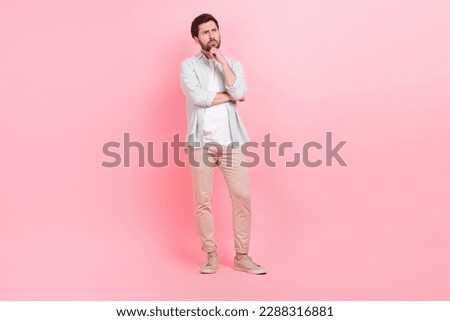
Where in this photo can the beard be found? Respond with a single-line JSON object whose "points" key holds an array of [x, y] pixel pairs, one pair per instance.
{"points": [[210, 44]]}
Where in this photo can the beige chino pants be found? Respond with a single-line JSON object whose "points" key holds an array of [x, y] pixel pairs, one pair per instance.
{"points": [[203, 161]]}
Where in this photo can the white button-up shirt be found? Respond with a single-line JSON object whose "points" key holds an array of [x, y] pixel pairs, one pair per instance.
{"points": [[195, 80]]}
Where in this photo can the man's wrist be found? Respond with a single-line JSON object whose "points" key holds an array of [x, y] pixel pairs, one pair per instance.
{"points": [[228, 96]]}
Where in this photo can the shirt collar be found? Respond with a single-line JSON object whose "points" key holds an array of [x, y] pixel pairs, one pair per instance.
{"points": [[201, 56]]}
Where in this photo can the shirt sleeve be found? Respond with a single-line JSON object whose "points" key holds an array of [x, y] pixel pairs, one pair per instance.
{"points": [[192, 88], [239, 88]]}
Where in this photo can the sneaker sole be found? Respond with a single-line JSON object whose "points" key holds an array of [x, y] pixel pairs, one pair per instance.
{"points": [[207, 272], [255, 272]]}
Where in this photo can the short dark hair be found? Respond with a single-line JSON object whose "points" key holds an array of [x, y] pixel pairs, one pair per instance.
{"points": [[203, 18]]}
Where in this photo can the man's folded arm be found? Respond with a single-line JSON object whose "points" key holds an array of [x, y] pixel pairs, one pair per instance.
{"points": [[238, 89], [221, 98], [202, 97]]}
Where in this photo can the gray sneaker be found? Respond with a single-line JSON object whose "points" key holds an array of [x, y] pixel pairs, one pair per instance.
{"points": [[210, 265], [246, 264]]}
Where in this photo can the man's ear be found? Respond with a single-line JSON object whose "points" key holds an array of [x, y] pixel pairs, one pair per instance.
{"points": [[196, 40]]}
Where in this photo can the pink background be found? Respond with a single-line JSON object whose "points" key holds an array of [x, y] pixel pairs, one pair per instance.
{"points": [[76, 75]]}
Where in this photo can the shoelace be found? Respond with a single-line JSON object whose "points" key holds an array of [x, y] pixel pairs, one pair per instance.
{"points": [[209, 260]]}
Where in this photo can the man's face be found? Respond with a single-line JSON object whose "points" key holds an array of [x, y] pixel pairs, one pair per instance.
{"points": [[208, 35]]}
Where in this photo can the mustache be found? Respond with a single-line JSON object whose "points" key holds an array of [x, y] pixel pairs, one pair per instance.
{"points": [[209, 46]]}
